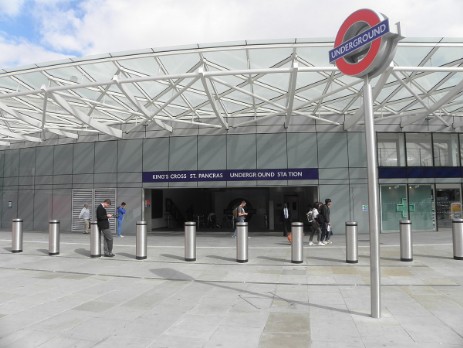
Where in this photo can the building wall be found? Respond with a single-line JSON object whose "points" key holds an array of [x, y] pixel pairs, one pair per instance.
{"points": [[39, 180]]}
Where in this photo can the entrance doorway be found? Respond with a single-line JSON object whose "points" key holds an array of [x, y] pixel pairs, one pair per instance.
{"points": [[211, 208], [293, 206], [448, 204]]}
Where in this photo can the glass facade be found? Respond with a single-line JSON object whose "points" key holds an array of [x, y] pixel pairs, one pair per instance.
{"points": [[421, 207], [445, 147], [419, 149], [391, 150], [448, 204], [412, 202], [427, 185], [393, 206]]}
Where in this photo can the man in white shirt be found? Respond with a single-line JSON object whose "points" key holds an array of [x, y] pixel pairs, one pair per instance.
{"points": [[85, 214], [286, 221]]}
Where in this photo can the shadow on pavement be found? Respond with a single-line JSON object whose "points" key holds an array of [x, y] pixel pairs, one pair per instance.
{"points": [[272, 259], [435, 256], [175, 257], [129, 256], [82, 251], [171, 274], [326, 259], [221, 258]]}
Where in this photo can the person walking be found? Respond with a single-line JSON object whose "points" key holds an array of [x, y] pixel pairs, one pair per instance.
{"points": [[324, 218], [85, 215], [102, 217], [314, 226], [121, 211], [239, 215], [286, 218]]}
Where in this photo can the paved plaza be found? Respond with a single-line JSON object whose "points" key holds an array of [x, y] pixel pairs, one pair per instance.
{"points": [[73, 300]]}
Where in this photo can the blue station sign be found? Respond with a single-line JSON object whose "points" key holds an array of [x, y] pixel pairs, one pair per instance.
{"points": [[231, 175]]}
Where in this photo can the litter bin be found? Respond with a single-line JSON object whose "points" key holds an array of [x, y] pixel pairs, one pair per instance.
{"points": [[351, 242], [297, 234], [141, 248], [17, 236], [190, 241], [95, 240], [457, 236], [406, 245], [53, 237], [242, 242]]}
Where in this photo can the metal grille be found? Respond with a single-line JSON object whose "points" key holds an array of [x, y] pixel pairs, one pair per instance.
{"points": [[79, 198], [93, 198]]}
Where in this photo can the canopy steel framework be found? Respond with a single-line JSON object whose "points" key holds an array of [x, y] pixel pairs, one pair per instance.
{"points": [[224, 86]]}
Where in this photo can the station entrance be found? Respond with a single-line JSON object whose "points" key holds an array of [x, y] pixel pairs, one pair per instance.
{"points": [[211, 208]]}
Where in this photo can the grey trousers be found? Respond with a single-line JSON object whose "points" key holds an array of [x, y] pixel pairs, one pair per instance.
{"points": [[108, 241]]}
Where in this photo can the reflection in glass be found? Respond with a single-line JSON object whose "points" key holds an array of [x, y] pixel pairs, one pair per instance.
{"points": [[445, 150], [393, 206], [391, 149], [419, 153], [421, 207], [448, 204]]}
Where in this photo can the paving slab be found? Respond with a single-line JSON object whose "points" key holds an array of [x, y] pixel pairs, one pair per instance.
{"points": [[73, 300]]}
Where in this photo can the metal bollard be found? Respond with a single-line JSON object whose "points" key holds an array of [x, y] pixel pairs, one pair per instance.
{"points": [[457, 236], [141, 248], [95, 240], [17, 236], [297, 234], [53, 237], [406, 244], [241, 242], [351, 242], [190, 241]]}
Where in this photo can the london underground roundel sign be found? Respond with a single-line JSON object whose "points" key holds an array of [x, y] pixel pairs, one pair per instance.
{"points": [[365, 44]]}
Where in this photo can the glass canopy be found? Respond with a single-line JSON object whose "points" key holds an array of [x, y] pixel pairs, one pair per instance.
{"points": [[224, 86]]}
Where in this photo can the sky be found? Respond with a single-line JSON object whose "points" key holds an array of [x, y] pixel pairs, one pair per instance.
{"points": [[34, 31]]}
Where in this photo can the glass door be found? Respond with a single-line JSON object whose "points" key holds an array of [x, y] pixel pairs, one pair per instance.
{"points": [[393, 206], [421, 207], [448, 204]]}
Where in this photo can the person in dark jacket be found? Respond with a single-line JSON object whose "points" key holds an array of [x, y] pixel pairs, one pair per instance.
{"points": [[286, 219], [102, 217], [324, 219], [314, 226]]}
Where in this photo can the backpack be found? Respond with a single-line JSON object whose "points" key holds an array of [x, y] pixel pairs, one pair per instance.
{"points": [[235, 212], [310, 216]]}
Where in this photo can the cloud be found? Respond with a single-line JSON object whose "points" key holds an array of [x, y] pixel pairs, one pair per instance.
{"points": [[20, 53], [86, 27], [114, 25], [11, 7], [157, 24]]}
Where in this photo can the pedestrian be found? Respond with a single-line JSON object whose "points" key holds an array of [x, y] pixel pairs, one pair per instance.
{"points": [[239, 215], [102, 217], [286, 218], [314, 226], [324, 218], [85, 215], [121, 211]]}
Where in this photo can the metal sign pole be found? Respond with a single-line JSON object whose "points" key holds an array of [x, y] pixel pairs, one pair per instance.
{"points": [[373, 199]]}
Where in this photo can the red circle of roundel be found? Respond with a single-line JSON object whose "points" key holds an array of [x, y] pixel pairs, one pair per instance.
{"points": [[371, 18]]}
